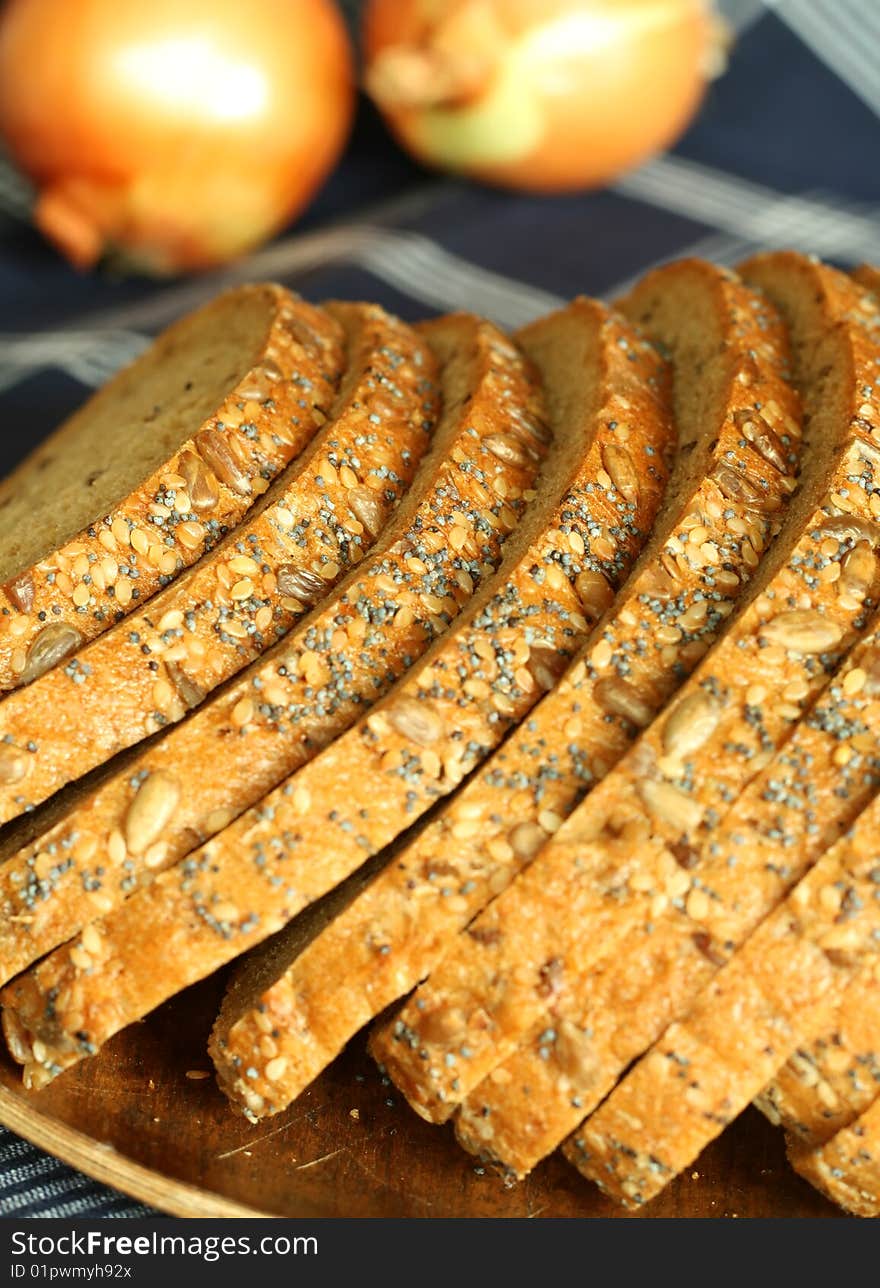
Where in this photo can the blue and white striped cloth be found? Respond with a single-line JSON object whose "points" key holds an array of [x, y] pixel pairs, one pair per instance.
{"points": [[785, 153]]}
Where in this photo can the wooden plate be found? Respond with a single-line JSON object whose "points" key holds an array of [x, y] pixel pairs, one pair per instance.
{"points": [[349, 1147]]}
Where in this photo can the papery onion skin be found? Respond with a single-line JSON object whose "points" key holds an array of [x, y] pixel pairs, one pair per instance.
{"points": [[177, 133], [553, 95]]}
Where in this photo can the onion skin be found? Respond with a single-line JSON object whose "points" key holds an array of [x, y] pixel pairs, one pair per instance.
{"points": [[540, 95], [176, 133]]}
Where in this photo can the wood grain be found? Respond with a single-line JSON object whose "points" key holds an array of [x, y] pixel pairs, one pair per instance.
{"points": [[349, 1147]]}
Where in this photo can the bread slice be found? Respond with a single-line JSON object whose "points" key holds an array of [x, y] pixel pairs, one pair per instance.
{"points": [[334, 969], [156, 467], [826, 1086], [776, 992], [623, 855], [802, 802], [847, 1167], [868, 275], [414, 746], [88, 849], [315, 523]]}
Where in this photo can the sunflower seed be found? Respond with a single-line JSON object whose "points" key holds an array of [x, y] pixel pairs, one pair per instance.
{"points": [[766, 442], [299, 583], [546, 665], [736, 487], [658, 582], [14, 766], [415, 720], [526, 839], [152, 808], [216, 452], [594, 593], [858, 571], [201, 485], [21, 591], [619, 466], [366, 508], [53, 644], [621, 699], [524, 422], [690, 724], [803, 630], [255, 387], [846, 527], [305, 336], [513, 451], [670, 805], [191, 694]]}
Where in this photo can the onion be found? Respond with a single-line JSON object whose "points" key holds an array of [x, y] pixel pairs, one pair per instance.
{"points": [[179, 133], [545, 95]]}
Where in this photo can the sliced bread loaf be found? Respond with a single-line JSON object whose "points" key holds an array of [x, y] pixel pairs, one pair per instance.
{"points": [[778, 991], [95, 844], [156, 467], [413, 747], [847, 1167], [335, 969], [629, 843], [825, 1086], [312, 526], [734, 873]]}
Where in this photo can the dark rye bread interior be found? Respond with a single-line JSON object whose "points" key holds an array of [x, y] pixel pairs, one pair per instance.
{"points": [[678, 313], [130, 427]]}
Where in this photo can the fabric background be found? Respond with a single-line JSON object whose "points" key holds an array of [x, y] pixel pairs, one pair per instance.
{"points": [[784, 153]]}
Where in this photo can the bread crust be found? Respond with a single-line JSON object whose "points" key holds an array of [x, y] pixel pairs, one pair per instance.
{"points": [[846, 1168], [778, 991], [828, 1084], [317, 522], [78, 592], [288, 704], [308, 834], [801, 803], [570, 731], [603, 872]]}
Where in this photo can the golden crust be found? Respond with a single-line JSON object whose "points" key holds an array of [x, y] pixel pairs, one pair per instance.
{"points": [[777, 992], [100, 843], [148, 671], [309, 833], [603, 873], [81, 590], [391, 934], [846, 1168]]}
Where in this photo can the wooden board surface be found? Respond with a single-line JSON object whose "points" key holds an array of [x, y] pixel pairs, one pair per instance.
{"points": [[349, 1147]]}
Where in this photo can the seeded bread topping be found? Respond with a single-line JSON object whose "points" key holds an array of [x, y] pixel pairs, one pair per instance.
{"points": [[776, 992], [199, 426], [419, 742], [847, 1167], [801, 803], [827, 1084], [599, 877], [95, 845], [331, 972], [210, 622]]}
